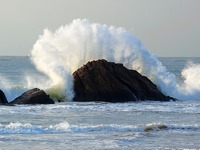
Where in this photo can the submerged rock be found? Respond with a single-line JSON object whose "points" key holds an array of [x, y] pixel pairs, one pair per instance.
{"points": [[33, 96], [151, 127], [110, 82], [3, 99]]}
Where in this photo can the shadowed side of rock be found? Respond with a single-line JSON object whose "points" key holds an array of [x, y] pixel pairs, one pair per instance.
{"points": [[107, 81], [33, 96], [3, 99]]}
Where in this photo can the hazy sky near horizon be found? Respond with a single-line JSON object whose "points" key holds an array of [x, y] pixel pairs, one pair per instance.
{"points": [[165, 27]]}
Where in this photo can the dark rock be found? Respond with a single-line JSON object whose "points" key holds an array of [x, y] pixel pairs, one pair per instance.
{"points": [[33, 96], [152, 127], [110, 82], [3, 99]]}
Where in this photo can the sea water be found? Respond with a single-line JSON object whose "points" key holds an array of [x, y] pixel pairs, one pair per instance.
{"points": [[91, 125]]}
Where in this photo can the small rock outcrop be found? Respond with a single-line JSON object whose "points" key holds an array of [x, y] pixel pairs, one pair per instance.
{"points": [[3, 99], [33, 96], [110, 82]]}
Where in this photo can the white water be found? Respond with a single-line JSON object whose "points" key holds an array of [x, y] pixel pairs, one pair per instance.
{"points": [[93, 125], [101, 126], [58, 54]]}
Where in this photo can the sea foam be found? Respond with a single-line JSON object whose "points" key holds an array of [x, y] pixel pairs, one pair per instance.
{"points": [[58, 54], [27, 128]]}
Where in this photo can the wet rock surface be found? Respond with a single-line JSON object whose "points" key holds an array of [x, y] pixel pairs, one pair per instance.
{"points": [[33, 96], [3, 99], [111, 82]]}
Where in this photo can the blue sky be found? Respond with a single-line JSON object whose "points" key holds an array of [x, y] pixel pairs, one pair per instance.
{"points": [[165, 27]]}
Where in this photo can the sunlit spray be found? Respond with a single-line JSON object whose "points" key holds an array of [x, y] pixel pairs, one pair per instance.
{"points": [[58, 54]]}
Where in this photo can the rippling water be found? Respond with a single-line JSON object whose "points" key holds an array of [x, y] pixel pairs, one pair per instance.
{"points": [[101, 126], [90, 125]]}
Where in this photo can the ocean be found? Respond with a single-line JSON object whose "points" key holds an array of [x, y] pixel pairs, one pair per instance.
{"points": [[91, 125], [97, 125]]}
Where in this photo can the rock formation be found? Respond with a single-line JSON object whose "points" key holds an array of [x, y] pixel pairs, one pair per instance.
{"points": [[100, 81], [3, 99], [110, 82], [33, 96]]}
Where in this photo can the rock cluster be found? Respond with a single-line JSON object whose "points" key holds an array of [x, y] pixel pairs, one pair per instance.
{"points": [[100, 81]]}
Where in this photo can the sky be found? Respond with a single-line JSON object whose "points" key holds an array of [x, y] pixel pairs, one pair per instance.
{"points": [[165, 27]]}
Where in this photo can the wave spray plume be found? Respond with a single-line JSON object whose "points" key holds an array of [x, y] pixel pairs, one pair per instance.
{"points": [[58, 54]]}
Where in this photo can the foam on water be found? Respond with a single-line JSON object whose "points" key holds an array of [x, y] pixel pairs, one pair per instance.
{"points": [[105, 128], [27, 128]]}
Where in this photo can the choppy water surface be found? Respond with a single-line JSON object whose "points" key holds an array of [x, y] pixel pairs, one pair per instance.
{"points": [[72, 125], [101, 126]]}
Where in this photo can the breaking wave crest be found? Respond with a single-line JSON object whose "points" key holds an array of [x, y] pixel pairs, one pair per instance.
{"points": [[63, 127], [27, 128], [58, 54]]}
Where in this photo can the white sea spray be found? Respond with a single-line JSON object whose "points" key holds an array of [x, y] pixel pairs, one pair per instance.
{"points": [[58, 54]]}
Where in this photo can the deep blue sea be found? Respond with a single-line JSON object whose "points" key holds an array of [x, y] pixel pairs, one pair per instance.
{"points": [[89, 125]]}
